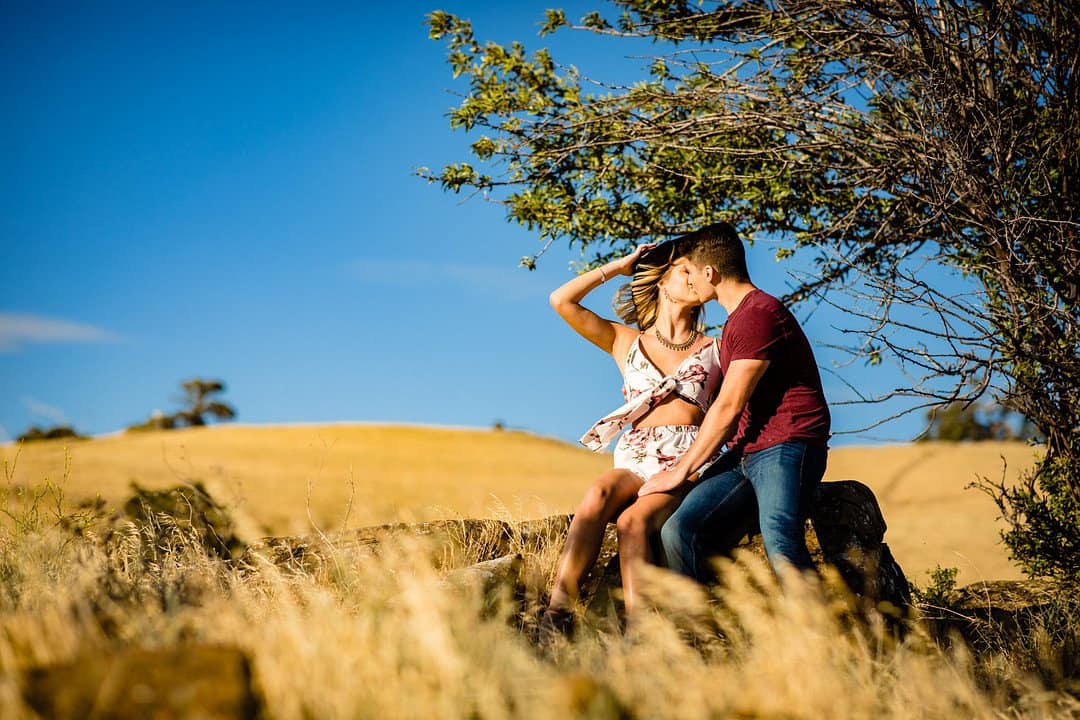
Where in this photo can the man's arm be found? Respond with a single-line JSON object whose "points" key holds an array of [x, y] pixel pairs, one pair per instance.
{"points": [[719, 425]]}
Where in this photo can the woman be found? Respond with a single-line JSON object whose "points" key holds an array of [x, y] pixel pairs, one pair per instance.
{"points": [[671, 372]]}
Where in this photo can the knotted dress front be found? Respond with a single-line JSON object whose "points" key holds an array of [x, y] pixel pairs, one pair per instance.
{"points": [[649, 449]]}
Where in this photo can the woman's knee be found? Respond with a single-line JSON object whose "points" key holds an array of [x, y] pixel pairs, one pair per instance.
{"points": [[631, 523], [605, 491]]}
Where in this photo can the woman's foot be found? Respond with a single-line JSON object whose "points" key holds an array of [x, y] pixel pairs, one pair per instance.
{"points": [[556, 622]]}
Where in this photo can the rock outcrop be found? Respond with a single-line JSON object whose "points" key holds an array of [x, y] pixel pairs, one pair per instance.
{"points": [[850, 532], [846, 531], [992, 614], [185, 513]]}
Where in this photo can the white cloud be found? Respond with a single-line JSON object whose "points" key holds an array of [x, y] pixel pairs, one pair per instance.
{"points": [[505, 283], [44, 410], [5, 436], [18, 329]]}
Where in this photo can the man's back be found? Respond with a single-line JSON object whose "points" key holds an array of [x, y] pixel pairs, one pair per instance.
{"points": [[788, 402]]}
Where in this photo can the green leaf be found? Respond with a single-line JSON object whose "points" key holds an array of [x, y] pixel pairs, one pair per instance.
{"points": [[553, 20]]}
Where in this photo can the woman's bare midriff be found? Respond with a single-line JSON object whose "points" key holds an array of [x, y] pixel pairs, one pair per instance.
{"points": [[672, 411]]}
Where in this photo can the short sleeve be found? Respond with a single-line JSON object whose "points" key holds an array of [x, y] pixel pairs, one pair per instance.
{"points": [[759, 335]]}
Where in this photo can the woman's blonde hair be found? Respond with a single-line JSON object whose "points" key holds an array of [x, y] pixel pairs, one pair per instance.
{"points": [[637, 302]]}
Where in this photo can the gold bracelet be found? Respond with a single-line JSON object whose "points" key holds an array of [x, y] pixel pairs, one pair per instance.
{"points": [[603, 275]]}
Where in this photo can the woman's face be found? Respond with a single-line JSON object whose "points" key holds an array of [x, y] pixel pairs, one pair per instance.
{"points": [[678, 281]]}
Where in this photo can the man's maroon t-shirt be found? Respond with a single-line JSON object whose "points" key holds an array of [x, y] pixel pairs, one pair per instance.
{"points": [[788, 402]]}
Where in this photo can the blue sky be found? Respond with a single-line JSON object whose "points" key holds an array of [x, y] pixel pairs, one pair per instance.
{"points": [[227, 190]]}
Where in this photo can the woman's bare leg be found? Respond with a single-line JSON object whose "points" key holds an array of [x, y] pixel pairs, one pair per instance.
{"points": [[636, 524], [611, 492]]}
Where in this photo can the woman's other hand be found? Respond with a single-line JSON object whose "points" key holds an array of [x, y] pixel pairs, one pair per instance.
{"points": [[625, 265], [566, 300]]}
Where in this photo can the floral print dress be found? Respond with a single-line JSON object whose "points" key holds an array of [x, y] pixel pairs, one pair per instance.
{"points": [[648, 450]]}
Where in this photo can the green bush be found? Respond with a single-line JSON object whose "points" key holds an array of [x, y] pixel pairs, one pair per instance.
{"points": [[1043, 517]]}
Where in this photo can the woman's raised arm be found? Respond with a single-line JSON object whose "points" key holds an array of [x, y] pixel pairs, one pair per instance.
{"points": [[566, 300]]}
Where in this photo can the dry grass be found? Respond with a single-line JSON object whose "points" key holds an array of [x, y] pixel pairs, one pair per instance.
{"points": [[416, 473], [384, 636]]}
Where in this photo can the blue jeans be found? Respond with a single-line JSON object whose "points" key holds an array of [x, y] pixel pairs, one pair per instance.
{"points": [[720, 508]]}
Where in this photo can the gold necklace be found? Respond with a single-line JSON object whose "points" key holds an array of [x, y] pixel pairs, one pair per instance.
{"points": [[671, 345]]}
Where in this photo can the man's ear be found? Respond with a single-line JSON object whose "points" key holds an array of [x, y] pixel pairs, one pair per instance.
{"points": [[711, 274]]}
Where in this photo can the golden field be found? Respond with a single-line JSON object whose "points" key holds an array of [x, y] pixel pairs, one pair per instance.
{"points": [[401, 633], [283, 478]]}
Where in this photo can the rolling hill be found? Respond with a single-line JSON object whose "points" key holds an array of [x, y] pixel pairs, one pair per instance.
{"points": [[284, 477]]}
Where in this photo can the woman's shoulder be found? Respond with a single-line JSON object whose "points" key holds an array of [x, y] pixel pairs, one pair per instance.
{"points": [[625, 338], [625, 335], [713, 343]]}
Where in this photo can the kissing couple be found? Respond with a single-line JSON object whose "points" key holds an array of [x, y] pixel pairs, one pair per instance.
{"points": [[713, 430]]}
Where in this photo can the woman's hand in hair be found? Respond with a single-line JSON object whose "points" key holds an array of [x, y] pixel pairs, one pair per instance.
{"points": [[625, 265]]}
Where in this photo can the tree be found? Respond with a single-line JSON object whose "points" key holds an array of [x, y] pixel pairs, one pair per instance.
{"points": [[198, 404], [878, 138], [960, 421], [35, 433], [196, 397]]}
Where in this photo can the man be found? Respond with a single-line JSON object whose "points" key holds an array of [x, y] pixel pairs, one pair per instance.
{"points": [[770, 411]]}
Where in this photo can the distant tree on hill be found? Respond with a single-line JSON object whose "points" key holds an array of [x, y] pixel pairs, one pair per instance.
{"points": [[968, 421], [197, 398], [57, 431]]}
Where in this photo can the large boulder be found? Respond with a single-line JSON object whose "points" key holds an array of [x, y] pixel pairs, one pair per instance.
{"points": [[850, 532], [490, 579]]}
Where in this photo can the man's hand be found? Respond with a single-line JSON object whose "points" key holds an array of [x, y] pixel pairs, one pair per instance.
{"points": [[662, 482]]}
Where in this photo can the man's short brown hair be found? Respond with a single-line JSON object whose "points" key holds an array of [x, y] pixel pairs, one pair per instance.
{"points": [[717, 245]]}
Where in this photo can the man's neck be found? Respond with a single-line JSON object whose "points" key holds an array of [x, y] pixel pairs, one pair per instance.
{"points": [[729, 293]]}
